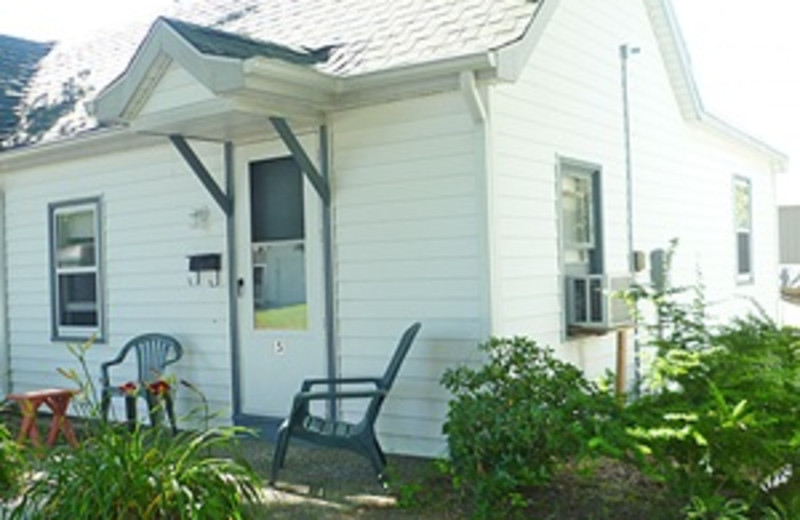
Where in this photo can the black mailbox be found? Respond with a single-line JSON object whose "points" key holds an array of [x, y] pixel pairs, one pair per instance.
{"points": [[207, 262], [210, 262]]}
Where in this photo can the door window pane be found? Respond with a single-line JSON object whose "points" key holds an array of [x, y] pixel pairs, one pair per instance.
{"points": [[276, 196], [279, 286], [278, 246]]}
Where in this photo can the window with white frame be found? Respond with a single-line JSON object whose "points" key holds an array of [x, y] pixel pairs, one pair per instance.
{"points": [[580, 218], [579, 192], [75, 269], [743, 222]]}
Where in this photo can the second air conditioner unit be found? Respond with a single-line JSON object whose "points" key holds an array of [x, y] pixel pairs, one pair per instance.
{"points": [[594, 302]]}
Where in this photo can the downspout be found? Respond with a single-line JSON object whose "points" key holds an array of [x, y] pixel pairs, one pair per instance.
{"points": [[5, 351], [479, 114], [469, 89]]}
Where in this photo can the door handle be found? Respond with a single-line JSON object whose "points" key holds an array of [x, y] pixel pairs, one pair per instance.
{"points": [[240, 287]]}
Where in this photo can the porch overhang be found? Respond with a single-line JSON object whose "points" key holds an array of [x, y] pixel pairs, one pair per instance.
{"points": [[245, 91]]}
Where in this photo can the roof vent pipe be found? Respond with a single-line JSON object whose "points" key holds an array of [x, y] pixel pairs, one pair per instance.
{"points": [[625, 52]]}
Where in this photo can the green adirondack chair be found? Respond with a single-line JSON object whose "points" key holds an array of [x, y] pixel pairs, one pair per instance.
{"points": [[358, 437]]}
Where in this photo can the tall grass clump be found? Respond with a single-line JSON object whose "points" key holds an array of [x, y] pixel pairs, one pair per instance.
{"points": [[143, 473]]}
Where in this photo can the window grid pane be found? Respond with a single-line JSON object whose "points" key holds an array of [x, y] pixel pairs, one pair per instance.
{"points": [[743, 224], [77, 300], [577, 211], [742, 205], [743, 252]]}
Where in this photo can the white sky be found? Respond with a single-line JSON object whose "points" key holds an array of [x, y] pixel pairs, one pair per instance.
{"points": [[46, 20], [745, 57], [745, 54]]}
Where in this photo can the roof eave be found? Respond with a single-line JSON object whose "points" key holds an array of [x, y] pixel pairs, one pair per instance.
{"points": [[414, 79], [80, 146], [327, 92], [514, 56], [779, 161]]}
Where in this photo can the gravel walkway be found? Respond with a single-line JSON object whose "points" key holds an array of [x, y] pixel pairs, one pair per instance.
{"points": [[331, 484]]}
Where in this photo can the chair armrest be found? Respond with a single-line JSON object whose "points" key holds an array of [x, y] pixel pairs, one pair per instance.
{"points": [[105, 379], [304, 398], [309, 383]]}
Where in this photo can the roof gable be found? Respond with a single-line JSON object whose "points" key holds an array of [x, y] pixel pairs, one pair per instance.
{"points": [[343, 39], [215, 58], [358, 37]]}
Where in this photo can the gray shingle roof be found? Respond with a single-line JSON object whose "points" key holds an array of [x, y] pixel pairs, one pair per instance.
{"points": [[18, 61], [215, 42], [362, 36]]}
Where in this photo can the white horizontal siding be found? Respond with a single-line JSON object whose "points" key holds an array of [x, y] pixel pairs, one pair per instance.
{"points": [[147, 196], [176, 88], [568, 103], [409, 247]]}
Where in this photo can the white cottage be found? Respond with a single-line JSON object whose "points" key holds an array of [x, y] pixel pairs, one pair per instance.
{"points": [[284, 186]]}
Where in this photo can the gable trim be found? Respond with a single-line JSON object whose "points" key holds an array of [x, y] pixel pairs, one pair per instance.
{"points": [[675, 55], [125, 96], [511, 60]]}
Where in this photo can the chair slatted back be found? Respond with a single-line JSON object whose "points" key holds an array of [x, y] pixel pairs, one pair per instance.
{"points": [[153, 353], [403, 346]]}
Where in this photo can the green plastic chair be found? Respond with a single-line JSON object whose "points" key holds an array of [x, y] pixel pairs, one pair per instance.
{"points": [[154, 352], [358, 437]]}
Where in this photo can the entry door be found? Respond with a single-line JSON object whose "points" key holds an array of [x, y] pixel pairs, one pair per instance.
{"points": [[281, 286]]}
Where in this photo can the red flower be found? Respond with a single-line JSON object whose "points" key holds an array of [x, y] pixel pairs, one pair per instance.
{"points": [[159, 387], [129, 388]]}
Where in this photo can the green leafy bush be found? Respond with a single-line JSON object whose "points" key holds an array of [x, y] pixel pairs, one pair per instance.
{"points": [[514, 419], [720, 421], [728, 421]]}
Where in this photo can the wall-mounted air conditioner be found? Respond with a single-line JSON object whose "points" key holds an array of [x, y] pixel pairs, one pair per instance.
{"points": [[594, 303]]}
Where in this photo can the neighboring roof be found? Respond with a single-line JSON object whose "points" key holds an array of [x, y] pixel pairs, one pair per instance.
{"points": [[18, 60], [362, 36]]}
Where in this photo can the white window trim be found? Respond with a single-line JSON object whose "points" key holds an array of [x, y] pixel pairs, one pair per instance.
{"points": [[66, 332]]}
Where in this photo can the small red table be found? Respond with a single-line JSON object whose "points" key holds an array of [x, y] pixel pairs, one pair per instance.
{"points": [[57, 399]]}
